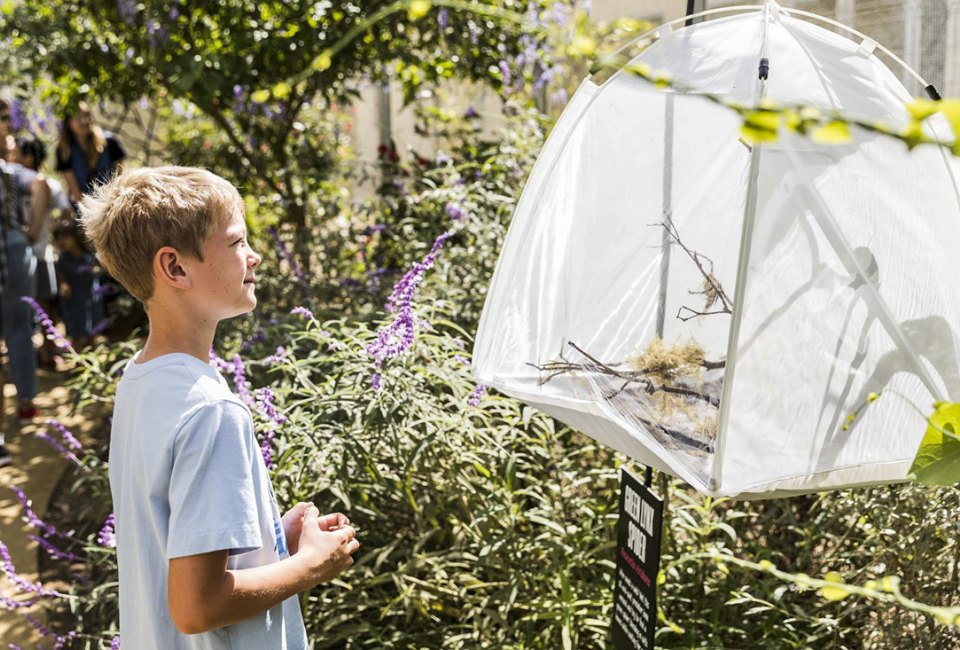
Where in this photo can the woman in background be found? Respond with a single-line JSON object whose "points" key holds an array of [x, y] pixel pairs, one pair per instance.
{"points": [[86, 154]]}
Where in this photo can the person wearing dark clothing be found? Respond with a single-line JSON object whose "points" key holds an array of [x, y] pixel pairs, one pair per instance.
{"points": [[80, 305], [87, 155], [24, 196]]}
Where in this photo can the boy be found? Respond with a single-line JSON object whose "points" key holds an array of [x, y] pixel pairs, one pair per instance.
{"points": [[205, 559]]}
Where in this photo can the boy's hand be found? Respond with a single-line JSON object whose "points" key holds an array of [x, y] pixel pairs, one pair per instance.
{"points": [[326, 552], [332, 522], [293, 524]]}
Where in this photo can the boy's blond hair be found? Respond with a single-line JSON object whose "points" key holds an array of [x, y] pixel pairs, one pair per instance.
{"points": [[135, 214]]}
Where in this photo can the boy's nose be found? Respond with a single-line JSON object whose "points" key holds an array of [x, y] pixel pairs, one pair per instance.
{"points": [[255, 259]]}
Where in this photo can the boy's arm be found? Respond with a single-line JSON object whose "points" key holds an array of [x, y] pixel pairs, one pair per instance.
{"points": [[204, 595]]}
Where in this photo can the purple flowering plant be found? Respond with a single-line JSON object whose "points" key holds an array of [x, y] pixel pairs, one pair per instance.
{"points": [[396, 337]]}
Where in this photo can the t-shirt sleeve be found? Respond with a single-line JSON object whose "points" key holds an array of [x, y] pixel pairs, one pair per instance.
{"points": [[212, 497]]}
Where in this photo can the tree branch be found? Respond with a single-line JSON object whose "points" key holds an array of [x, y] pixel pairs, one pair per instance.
{"points": [[713, 290]]}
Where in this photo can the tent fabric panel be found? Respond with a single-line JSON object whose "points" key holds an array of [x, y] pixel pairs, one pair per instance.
{"points": [[590, 418], [809, 65], [823, 325], [590, 266], [506, 334]]}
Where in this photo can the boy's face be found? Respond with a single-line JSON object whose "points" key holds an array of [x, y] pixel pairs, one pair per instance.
{"points": [[224, 280]]}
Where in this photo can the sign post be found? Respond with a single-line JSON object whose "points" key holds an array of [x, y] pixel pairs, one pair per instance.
{"points": [[639, 535]]}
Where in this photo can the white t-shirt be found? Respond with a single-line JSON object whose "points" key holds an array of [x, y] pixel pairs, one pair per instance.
{"points": [[187, 477]]}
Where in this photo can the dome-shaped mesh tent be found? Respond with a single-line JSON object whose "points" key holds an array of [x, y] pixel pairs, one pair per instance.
{"points": [[725, 311]]}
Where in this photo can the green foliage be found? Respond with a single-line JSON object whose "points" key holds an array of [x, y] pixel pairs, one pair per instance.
{"points": [[938, 459], [487, 525], [263, 75], [481, 526]]}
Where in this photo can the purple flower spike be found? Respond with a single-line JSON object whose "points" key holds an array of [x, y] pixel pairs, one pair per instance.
{"points": [[265, 405], [274, 419], [70, 440], [54, 552], [60, 449], [302, 311], [128, 11], [17, 117], [46, 323], [25, 586], [115, 643], [266, 448], [505, 73], [397, 336], [107, 536], [32, 518], [476, 395], [278, 357], [240, 380], [376, 381], [218, 363], [454, 211], [10, 603]]}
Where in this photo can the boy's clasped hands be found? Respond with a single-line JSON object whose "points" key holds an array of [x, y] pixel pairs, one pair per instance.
{"points": [[326, 543]]}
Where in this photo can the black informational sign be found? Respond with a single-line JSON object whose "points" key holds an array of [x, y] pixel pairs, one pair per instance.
{"points": [[638, 563]]}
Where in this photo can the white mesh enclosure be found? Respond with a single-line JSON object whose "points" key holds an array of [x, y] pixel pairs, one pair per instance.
{"points": [[719, 310], [924, 33]]}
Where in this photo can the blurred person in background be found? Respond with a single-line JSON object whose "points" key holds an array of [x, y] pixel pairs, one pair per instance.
{"points": [[32, 154], [80, 304], [24, 196], [86, 154], [7, 146]]}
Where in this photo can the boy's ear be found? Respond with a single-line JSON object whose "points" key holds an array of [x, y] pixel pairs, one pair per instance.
{"points": [[168, 269]]}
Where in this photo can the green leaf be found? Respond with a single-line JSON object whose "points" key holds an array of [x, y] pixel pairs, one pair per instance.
{"points": [[418, 9], [951, 110], [938, 459], [835, 132], [260, 96], [323, 61], [921, 109], [760, 126], [582, 45], [281, 90], [753, 135], [834, 593]]}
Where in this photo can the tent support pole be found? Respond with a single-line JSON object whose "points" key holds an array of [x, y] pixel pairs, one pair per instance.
{"points": [[667, 198], [746, 239]]}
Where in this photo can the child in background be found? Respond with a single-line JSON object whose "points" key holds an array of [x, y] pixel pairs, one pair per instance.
{"points": [[80, 304]]}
